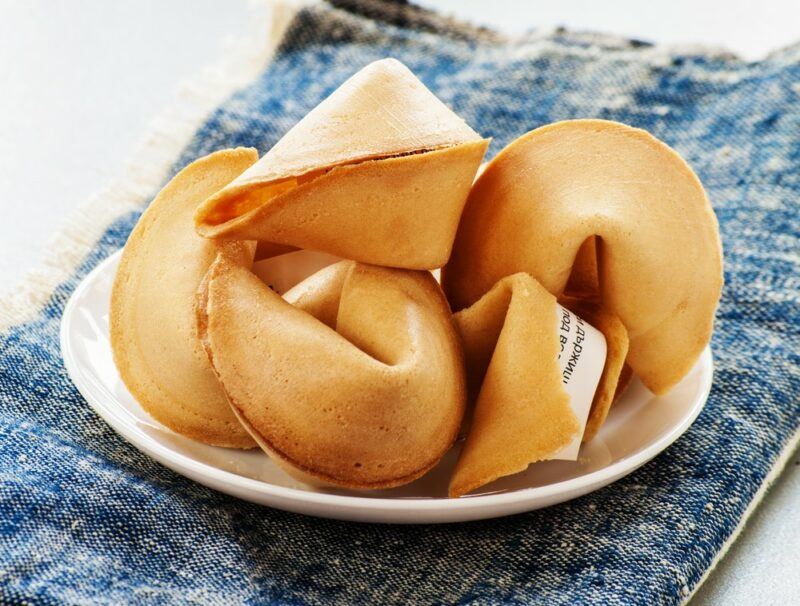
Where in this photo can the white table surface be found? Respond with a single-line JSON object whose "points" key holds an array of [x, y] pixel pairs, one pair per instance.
{"points": [[81, 81]]}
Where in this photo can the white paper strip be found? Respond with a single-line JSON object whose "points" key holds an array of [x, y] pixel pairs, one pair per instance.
{"points": [[581, 359]]}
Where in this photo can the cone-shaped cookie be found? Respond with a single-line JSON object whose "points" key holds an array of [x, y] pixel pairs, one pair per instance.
{"points": [[153, 328], [659, 261], [378, 172], [358, 382], [522, 414]]}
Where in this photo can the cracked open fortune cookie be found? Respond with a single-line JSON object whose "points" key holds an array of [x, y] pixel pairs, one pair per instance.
{"points": [[522, 410]]}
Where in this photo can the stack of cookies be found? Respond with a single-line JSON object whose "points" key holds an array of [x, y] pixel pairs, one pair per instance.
{"points": [[289, 302]]}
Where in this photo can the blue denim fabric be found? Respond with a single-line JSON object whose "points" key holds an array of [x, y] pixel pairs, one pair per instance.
{"points": [[85, 518]]}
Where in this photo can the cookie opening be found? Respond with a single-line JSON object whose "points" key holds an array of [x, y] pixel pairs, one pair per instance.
{"points": [[238, 201]]}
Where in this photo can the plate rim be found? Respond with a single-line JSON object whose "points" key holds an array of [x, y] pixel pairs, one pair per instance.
{"points": [[192, 468]]}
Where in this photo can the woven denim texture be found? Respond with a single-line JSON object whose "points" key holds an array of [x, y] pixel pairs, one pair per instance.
{"points": [[86, 518]]}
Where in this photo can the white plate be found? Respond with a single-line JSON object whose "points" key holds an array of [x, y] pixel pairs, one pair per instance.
{"points": [[639, 427]]}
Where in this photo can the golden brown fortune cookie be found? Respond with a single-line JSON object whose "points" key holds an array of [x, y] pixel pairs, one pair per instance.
{"points": [[658, 252], [152, 317], [522, 412], [378, 172], [354, 379]]}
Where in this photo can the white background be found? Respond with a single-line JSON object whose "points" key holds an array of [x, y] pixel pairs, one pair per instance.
{"points": [[80, 81]]}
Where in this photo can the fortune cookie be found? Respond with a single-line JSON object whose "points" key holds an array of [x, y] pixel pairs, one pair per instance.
{"points": [[378, 172], [522, 413], [658, 253], [354, 379], [152, 316]]}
